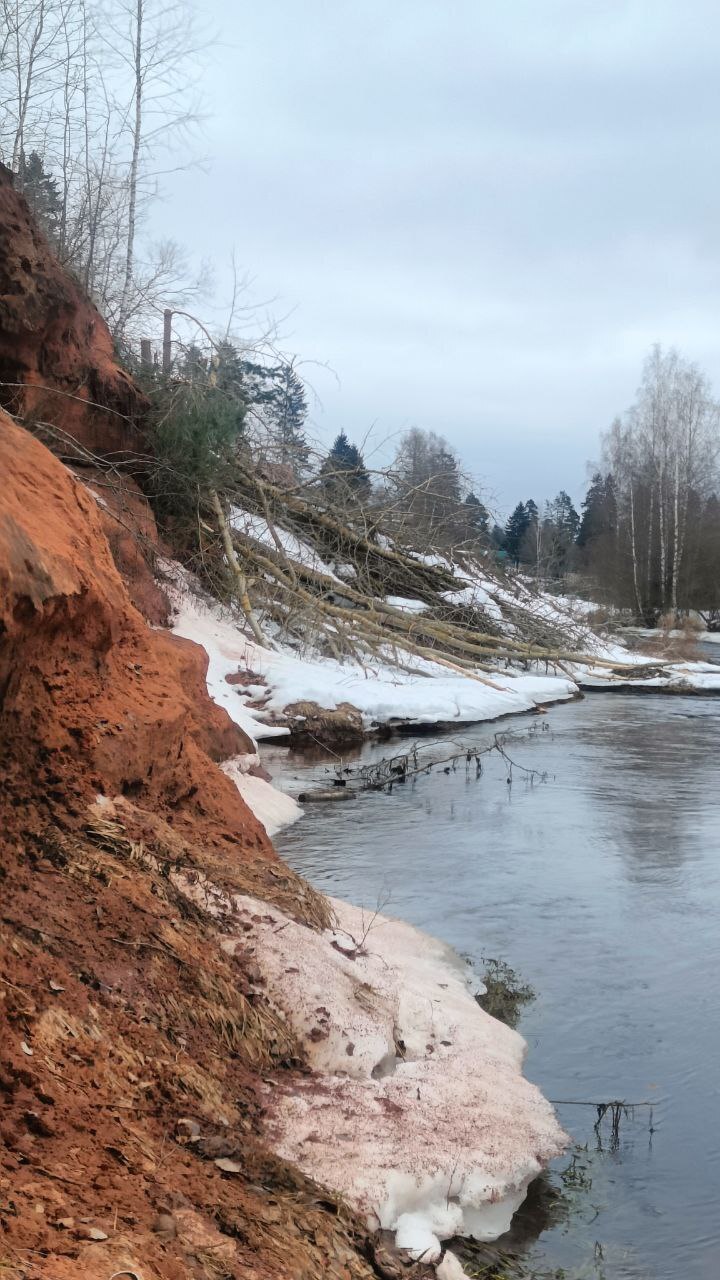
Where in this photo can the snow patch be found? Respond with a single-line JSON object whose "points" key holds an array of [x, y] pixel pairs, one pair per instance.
{"points": [[417, 1111], [295, 548], [450, 1268], [272, 807]]}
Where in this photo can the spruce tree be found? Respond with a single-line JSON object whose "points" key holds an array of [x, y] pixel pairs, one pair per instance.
{"points": [[286, 419], [598, 510], [515, 530], [40, 190], [476, 516], [343, 472]]}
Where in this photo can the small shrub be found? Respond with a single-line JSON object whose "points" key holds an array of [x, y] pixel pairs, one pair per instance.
{"points": [[505, 994]]}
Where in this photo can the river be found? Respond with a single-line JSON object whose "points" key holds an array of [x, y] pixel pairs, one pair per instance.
{"points": [[601, 887]]}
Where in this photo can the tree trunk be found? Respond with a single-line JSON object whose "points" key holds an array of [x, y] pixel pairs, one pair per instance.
{"points": [[676, 541], [663, 548], [633, 548], [648, 568], [134, 166], [238, 574]]}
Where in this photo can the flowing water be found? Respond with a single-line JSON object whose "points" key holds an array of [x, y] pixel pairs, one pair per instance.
{"points": [[601, 887]]}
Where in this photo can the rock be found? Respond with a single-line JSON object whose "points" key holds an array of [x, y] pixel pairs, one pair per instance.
{"points": [[165, 1226], [312, 724], [53, 340], [91, 1233], [187, 1130], [450, 1268], [38, 1125]]}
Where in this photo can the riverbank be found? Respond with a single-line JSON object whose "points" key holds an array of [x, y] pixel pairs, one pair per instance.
{"points": [[280, 694], [416, 1111]]}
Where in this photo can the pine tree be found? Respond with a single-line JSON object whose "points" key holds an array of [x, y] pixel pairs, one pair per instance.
{"points": [[565, 516], [229, 368], [194, 365], [529, 551], [599, 513], [559, 532]]}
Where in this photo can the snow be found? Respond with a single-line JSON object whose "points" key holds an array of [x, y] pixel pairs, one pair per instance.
{"points": [[450, 1268], [383, 694], [405, 605], [427, 694], [256, 527], [272, 807], [677, 677], [416, 1110], [476, 595]]}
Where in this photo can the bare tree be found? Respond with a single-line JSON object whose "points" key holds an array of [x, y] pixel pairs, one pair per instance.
{"points": [[96, 96], [663, 456]]}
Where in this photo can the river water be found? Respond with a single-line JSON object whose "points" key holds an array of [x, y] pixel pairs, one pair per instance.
{"points": [[600, 886]]}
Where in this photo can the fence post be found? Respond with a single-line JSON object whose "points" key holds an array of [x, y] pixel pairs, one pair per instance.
{"points": [[167, 340]]}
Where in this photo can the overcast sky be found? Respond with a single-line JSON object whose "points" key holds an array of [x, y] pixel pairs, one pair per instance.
{"points": [[479, 213]]}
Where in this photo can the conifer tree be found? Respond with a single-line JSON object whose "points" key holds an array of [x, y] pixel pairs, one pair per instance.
{"points": [[286, 419], [515, 530], [343, 472], [40, 190], [598, 510]]}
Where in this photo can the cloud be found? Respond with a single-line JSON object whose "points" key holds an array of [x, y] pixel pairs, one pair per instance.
{"points": [[480, 215]]}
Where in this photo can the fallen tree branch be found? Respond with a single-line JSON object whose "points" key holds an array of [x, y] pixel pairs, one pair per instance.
{"points": [[240, 579]]}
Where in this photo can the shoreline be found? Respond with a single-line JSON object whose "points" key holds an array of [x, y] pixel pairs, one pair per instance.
{"points": [[415, 1111]]}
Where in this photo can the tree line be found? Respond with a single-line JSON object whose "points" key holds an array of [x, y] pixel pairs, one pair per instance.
{"points": [[647, 539], [651, 538]]}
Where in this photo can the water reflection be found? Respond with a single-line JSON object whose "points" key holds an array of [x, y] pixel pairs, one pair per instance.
{"points": [[601, 887]]}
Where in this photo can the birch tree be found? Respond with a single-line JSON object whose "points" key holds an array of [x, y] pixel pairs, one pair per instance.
{"points": [[103, 98], [663, 455]]}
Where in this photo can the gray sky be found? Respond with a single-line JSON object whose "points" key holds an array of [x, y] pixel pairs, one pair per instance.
{"points": [[479, 213]]}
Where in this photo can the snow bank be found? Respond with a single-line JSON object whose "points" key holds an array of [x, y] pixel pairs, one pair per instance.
{"points": [[383, 694], [273, 808], [417, 1111], [676, 677]]}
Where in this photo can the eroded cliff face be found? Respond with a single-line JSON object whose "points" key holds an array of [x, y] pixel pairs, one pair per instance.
{"points": [[57, 362], [132, 1046], [92, 699], [125, 1029]]}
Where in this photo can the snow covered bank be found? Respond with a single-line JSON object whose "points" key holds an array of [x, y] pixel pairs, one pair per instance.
{"points": [[699, 678], [417, 1111], [256, 685], [385, 695]]}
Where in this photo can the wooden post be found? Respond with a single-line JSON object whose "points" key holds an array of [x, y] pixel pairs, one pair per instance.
{"points": [[167, 340], [146, 355]]}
